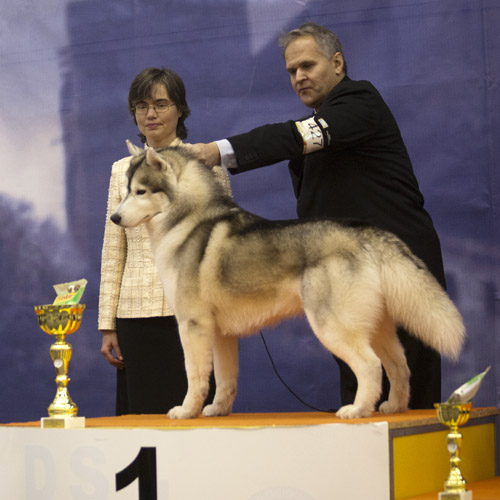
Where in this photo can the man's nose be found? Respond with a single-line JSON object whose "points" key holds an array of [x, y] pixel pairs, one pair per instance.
{"points": [[300, 75]]}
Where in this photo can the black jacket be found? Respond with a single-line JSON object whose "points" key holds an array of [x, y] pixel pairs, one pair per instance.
{"points": [[363, 171]]}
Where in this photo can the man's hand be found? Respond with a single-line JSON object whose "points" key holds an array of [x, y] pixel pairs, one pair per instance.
{"points": [[111, 350], [208, 154]]}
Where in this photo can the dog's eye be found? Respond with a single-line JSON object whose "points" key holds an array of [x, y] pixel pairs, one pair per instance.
{"points": [[140, 191]]}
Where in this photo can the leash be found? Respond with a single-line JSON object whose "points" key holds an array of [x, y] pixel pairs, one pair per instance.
{"points": [[286, 385]]}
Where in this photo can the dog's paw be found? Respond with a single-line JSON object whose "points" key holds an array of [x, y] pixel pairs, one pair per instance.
{"points": [[387, 407], [179, 412], [216, 410], [352, 411]]}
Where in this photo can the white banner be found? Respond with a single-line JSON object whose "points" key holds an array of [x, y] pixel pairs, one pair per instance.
{"points": [[320, 462]]}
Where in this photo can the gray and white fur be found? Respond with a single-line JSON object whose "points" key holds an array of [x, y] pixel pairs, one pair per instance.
{"points": [[228, 273]]}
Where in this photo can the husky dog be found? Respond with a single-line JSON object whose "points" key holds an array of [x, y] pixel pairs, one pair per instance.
{"points": [[227, 272]]}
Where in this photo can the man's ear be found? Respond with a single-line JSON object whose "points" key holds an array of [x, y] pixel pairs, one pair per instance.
{"points": [[338, 62]]}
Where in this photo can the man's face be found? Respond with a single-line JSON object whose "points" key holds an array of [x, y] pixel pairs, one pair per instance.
{"points": [[311, 73]]}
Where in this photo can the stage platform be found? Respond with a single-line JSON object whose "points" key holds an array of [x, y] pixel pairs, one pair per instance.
{"points": [[481, 490], [289, 456]]}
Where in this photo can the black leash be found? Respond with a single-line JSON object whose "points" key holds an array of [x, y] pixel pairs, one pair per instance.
{"points": [[286, 385]]}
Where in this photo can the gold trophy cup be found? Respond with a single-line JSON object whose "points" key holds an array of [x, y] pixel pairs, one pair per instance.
{"points": [[454, 416], [61, 320]]}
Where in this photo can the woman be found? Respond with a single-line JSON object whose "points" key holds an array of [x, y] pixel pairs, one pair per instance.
{"points": [[139, 332]]}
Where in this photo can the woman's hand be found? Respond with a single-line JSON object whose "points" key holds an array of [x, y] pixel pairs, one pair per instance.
{"points": [[111, 350]]}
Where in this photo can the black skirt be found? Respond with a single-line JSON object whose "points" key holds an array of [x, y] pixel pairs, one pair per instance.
{"points": [[154, 378]]}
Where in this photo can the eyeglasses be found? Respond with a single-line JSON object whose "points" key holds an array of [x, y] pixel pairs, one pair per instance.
{"points": [[159, 107]]}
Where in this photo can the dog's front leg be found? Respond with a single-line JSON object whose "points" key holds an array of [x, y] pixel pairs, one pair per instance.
{"points": [[197, 343], [226, 375]]}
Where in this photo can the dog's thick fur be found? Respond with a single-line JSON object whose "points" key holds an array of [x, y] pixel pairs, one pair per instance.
{"points": [[227, 272]]}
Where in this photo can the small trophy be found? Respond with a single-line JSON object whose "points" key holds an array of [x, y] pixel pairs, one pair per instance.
{"points": [[61, 319], [454, 416], [455, 413]]}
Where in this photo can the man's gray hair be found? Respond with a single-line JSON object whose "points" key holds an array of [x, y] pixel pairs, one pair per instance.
{"points": [[327, 40]]}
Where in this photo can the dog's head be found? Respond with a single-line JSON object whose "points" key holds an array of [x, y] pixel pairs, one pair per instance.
{"points": [[150, 187], [157, 180]]}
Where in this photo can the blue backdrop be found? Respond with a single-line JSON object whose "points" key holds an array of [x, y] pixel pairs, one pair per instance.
{"points": [[66, 67]]}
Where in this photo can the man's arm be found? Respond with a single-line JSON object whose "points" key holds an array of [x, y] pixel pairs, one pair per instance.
{"points": [[271, 144], [264, 145]]}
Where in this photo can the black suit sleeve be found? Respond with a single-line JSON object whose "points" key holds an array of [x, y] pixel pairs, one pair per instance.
{"points": [[348, 117], [266, 145], [352, 114]]}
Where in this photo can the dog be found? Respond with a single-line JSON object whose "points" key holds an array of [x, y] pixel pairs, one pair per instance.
{"points": [[228, 273]]}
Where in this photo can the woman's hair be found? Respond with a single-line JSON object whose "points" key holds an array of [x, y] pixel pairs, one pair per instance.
{"points": [[327, 40], [142, 88]]}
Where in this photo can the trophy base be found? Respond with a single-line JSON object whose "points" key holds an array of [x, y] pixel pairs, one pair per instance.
{"points": [[63, 422], [461, 495]]}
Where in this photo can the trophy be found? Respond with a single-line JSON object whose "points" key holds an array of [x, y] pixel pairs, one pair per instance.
{"points": [[60, 320], [454, 416], [455, 413]]}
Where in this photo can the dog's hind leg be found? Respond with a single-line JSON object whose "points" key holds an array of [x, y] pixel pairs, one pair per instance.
{"points": [[390, 351], [368, 371], [343, 322], [353, 347], [197, 340], [226, 375]]}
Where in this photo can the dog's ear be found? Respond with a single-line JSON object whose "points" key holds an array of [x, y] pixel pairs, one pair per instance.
{"points": [[156, 160], [133, 149]]}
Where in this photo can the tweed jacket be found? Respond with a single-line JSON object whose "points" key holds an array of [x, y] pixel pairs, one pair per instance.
{"points": [[130, 285]]}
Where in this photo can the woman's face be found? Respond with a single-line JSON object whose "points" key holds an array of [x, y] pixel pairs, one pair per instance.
{"points": [[158, 125]]}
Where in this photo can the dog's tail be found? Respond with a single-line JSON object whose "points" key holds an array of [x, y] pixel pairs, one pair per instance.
{"points": [[416, 301]]}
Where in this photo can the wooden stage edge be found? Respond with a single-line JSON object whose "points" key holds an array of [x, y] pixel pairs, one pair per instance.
{"points": [[412, 418]]}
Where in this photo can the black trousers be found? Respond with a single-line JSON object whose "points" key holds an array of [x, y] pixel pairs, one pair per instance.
{"points": [[425, 379], [154, 378]]}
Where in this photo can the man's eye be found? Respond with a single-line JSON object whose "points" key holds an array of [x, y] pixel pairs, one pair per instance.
{"points": [[140, 191], [141, 107]]}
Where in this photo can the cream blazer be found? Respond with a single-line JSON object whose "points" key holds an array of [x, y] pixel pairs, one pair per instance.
{"points": [[130, 285]]}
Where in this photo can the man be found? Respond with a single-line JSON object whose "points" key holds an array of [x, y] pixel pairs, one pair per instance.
{"points": [[347, 160]]}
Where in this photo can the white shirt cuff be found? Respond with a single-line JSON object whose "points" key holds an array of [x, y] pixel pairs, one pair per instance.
{"points": [[227, 156]]}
